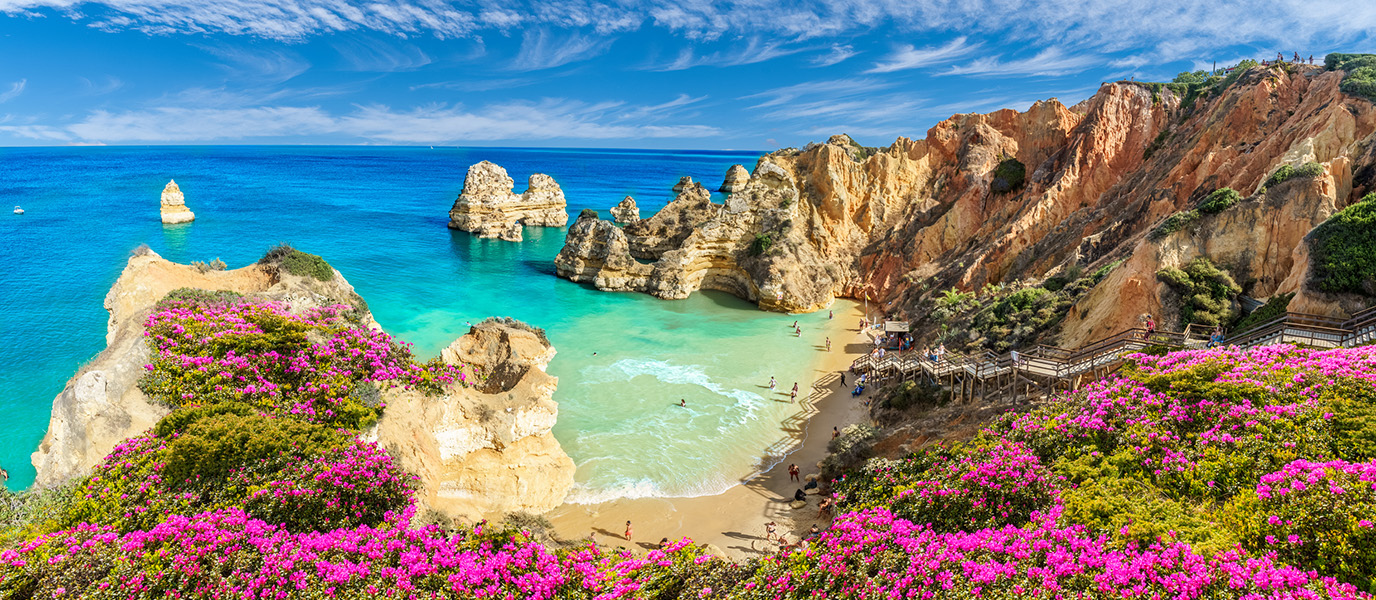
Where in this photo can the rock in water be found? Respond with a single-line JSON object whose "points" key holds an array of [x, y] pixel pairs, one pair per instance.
{"points": [[683, 182], [626, 211], [173, 207], [488, 207], [485, 450], [736, 178]]}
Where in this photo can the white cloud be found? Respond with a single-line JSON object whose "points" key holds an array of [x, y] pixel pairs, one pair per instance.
{"points": [[755, 51], [1049, 62], [512, 121], [909, 57], [376, 56], [543, 49], [839, 54], [15, 90]]}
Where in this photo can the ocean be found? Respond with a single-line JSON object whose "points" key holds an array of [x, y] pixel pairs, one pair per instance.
{"points": [[379, 214]]}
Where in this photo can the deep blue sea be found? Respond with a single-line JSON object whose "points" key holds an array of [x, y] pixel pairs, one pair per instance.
{"points": [[379, 214]]}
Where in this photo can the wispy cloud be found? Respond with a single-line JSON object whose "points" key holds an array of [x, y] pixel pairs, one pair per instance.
{"points": [[107, 85], [261, 66], [838, 54], [756, 50], [546, 119], [15, 90], [909, 57], [1049, 62], [543, 49], [378, 56]]}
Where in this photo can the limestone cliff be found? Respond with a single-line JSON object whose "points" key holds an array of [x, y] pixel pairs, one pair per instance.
{"points": [[736, 178], [101, 405], [488, 207], [626, 211], [1020, 196], [486, 450], [173, 206]]}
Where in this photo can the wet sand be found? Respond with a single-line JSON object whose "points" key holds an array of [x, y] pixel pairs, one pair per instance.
{"points": [[734, 521]]}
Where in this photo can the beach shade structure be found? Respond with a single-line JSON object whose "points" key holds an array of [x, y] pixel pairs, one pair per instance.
{"points": [[895, 327]]}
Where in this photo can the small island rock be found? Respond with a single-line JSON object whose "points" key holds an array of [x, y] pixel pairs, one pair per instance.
{"points": [[173, 206], [626, 211], [488, 207], [736, 178]]}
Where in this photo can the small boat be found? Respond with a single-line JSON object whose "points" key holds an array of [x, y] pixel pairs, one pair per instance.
{"points": [[18, 211]]}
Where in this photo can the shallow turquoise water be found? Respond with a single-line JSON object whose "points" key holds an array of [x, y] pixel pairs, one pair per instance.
{"points": [[378, 215]]}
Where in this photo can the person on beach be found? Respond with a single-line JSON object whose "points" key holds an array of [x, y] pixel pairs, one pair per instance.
{"points": [[800, 496], [795, 324], [769, 531], [793, 472], [683, 402], [772, 384], [824, 508], [795, 387], [813, 531], [843, 379], [628, 531], [835, 433], [793, 396], [828, 344], [831, 315], [663, 542]]}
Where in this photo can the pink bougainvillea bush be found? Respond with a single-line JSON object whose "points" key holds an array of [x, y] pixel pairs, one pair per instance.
{"points": [[316, 365], [1201, 475]]}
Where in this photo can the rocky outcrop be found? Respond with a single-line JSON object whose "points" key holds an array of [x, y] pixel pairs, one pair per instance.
{"points": [[748, 246], [736, 178], [173, 206], [626, 211], [101, 405], [1018, 196], [488, 207], [683, 183], [485, 450]]}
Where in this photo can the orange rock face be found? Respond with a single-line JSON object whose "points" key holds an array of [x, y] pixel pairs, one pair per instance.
{"points": [[925, 215]]}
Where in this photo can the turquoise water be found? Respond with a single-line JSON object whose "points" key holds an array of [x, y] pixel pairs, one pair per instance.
{"points": [[378, 215]]}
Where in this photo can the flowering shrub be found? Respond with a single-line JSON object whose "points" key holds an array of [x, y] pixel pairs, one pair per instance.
{"points": [[981, 487], [306, 365], [1319, 514], [302, 476]]}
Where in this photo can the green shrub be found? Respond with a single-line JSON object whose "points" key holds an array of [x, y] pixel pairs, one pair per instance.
{"points": [[1188, 77], [1008, 176], [763, 242], [1360, 82], [1286, 172], [199, 297], [214, 265], [1275, 306], [1241, 68], [298, 263], [1134, 510], [1174, 223], [1348, 62], [915, 393], [587, 213], [1220, 200], [1205, 292], [1342, 250]]}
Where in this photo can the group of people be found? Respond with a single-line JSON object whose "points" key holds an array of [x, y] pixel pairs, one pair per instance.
{"points": [[935, 354]]}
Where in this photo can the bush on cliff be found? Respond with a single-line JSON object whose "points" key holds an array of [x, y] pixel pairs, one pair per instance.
{"points": [[1342, 250], [587, 213], [1204, 292], [1175, 222], [301, 365], [1009, 175], [1219, 200], [1285, 173], [298, 263]]}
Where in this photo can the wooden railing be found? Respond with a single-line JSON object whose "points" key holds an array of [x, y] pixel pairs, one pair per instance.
{"points": [[1104, 355]]}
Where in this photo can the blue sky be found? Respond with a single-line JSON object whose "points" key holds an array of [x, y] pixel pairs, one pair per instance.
{"points": [[616, 73]]}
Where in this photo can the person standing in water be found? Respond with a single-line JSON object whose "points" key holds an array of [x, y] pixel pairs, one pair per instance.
{"points": [[793, 396], [772, 384], [683, 402]]}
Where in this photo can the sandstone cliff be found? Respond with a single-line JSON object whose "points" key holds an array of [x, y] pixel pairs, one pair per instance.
{"points": [[488, 207], [101, 405], [486, 450], [173, 206], [736, 178], [1021, 196]]}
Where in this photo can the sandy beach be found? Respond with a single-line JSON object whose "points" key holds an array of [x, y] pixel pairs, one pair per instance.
{"points": [[734, 521]]}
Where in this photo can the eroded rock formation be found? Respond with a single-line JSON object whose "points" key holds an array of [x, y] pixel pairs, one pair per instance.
{"points": [[101, 405], [736, 178], [488, 207], [1006, 196], [486, 450], [173, 206], [626, 211]]}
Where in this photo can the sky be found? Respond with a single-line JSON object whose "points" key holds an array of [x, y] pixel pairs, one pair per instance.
{"points": [[673, 74]]}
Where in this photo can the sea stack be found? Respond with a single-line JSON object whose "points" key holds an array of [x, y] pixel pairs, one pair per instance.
{"points": [[488, 207], [174, 208], [626, 211], [736, 178], [683, 182]]}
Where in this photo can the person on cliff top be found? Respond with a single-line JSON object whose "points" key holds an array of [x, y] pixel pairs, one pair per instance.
{"points": [[628, 531]]}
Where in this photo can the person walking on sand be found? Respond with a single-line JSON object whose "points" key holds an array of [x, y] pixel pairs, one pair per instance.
{"points": [[795, 387], [828, 344], [793, 396], [769, 534], [843, 379], [628, 531]]}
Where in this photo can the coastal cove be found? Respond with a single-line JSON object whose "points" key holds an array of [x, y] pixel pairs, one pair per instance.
{"points": [[378, 215]]}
